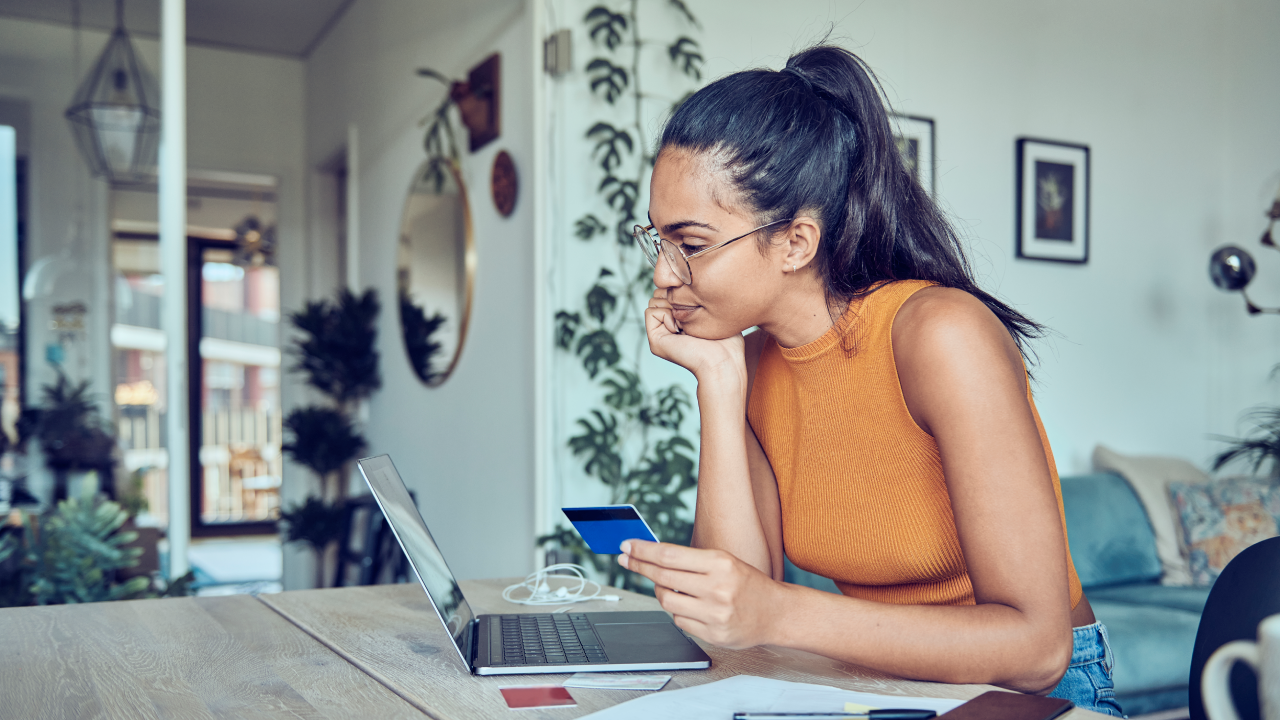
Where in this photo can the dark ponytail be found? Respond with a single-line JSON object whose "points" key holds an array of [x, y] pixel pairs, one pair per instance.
{"points": [[815, 138]]}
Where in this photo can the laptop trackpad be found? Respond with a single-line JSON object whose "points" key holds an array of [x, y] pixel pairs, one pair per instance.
{"points": [[645, 642]]}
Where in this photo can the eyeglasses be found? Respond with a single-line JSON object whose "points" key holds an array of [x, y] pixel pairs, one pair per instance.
{"points": [[653, 246]]}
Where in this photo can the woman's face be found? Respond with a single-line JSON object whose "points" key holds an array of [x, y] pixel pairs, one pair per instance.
{"points": [[733, 286]]}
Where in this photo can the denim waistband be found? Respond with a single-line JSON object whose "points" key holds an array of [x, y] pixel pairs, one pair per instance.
{"points": [[1089, 643]]}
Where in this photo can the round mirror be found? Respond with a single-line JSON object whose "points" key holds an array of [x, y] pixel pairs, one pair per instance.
{"points": [[436, 265]]}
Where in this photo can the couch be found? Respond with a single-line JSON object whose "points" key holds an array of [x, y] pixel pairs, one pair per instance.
{"points": [[1152, 626]]}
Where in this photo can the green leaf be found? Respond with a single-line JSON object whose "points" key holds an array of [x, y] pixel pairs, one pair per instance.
{"points": [[322, 439], [598, 349], [685, 55], [606, 26], [587, 227], [620, 194], [683, 9], [566, 328], [598, 442], [419, 337], [608, 78], [600, 302], [338, 348], [668, 409], [624, 230], [314, 522], [610, 145], [624, 390]]}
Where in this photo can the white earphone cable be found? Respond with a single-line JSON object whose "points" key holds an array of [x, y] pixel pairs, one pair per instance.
{"points": [[540, 592]]}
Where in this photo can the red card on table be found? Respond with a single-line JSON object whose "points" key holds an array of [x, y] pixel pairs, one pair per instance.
{"points": [[535, 696]]}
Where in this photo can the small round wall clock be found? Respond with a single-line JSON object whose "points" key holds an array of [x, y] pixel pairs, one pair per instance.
{"points": [[504, 184]]}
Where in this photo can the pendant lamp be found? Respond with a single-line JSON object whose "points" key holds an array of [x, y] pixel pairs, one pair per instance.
{"points": [[115, 114]]}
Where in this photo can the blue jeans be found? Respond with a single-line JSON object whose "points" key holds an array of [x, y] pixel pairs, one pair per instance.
{"points": [[1088, 681]]}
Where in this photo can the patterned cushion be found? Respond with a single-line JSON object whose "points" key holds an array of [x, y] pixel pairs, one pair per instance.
{"points": [[1221, 518]]}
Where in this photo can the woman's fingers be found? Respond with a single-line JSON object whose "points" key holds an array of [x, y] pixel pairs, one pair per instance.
{"points": [[682, 581], [660, 308], [677, 557]]}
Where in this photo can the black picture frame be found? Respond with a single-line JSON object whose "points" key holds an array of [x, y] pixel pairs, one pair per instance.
{"points": [[1052, 200], [916, 138]]}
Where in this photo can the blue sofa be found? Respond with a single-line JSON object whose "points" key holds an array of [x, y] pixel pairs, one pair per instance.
{"points": [[1152, 627]]}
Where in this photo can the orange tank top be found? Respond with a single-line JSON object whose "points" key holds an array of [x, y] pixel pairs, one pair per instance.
{"points": [[864, 500]]}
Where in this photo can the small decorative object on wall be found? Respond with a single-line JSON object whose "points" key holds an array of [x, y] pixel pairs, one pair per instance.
{"points": [[504, 184], [479, 101], [1053, 200], [1232, 268], [915, 138], [255, 244]]}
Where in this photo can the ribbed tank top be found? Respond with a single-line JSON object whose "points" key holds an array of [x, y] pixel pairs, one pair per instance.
{"points": [[864, 499]]}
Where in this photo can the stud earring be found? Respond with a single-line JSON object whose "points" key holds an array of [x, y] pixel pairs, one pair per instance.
{"points": [[793, 268]]}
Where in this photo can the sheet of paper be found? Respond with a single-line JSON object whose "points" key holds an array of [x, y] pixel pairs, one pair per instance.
{"points": [[611, 681], [746, 693]]}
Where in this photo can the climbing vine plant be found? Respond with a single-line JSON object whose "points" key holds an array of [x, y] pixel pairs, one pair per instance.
{"points": [[635, 439]]}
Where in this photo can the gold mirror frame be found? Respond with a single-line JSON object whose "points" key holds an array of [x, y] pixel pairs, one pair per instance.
{"points": [[404, 279]]}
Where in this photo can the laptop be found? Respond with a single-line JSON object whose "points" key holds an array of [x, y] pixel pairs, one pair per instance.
{"points": [[518, 644]]}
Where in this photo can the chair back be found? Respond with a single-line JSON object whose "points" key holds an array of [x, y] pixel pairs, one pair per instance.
{"points": [[367, 550], [1247, 591]]}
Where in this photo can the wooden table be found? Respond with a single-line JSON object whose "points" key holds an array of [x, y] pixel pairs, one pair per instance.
{"points": [[365, 652]]}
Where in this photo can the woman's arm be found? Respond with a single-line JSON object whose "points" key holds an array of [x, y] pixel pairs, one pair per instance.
{"points": [[737, 503], [723, 463], [963, 382]]}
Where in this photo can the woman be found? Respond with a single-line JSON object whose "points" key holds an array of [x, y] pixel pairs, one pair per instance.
{"points": [[878, 428]]}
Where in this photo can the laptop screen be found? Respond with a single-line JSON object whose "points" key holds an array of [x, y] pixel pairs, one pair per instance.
{"points": [[405, 520]]}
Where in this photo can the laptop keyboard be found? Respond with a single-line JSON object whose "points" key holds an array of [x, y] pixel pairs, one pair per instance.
{"points": [[560, 639]]}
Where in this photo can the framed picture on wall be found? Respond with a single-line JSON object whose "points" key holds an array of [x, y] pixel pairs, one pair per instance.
{"points": [[1053, 200], [914, 136]]}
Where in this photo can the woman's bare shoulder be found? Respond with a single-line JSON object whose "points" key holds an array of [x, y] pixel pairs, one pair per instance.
{"points": [[942, 318]]}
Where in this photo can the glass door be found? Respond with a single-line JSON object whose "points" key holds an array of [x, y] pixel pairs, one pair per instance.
{"points": [[237, 466]]}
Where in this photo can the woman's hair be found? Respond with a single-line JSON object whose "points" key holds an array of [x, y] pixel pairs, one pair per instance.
{"points": [[814, 138]]}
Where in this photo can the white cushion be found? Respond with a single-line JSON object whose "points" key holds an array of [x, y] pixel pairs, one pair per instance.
{"points": [[1149, 477]]}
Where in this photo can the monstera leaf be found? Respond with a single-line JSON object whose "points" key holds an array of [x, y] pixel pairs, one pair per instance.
{"points": [[606, 26], [607, 78]]}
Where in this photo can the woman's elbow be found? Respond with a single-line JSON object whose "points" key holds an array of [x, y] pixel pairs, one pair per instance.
{"points": [[1042, 669]]}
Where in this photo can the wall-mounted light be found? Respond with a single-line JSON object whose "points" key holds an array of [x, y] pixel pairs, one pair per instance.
{"points": [[1232, 268]]}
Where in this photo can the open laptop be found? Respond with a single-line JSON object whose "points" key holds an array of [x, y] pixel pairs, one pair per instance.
{"points": [[517, 644]]}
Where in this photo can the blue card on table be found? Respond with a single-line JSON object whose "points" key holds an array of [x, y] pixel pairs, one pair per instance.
{"points": [[605, 527]]}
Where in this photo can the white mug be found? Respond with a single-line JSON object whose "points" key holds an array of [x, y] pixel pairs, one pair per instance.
{"points": [[1264, 656]]}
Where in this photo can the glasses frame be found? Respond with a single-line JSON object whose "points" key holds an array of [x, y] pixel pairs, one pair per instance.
{"points": [[643, 234]]}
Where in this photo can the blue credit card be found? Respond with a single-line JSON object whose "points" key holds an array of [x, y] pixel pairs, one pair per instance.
{"points": [[604, 528]]}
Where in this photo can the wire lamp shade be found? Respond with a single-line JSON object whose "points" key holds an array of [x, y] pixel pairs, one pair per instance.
{"points": [[115, 113]]}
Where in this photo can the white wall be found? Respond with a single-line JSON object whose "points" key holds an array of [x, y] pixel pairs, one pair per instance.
{"points": [[244, 114], [467, 447], [1147, 356]]}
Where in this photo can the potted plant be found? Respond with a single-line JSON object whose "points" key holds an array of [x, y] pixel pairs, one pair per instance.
{"points": [[1261, 447], [76, 440], [337, 354]]}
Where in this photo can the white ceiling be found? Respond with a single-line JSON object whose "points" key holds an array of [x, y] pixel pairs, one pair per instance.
{"points": [[279, 27]]}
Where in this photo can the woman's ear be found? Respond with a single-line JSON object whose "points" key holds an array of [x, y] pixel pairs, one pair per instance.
{"points": [[803, 237]]}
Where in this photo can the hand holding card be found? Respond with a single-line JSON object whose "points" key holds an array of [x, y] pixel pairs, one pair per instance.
{"points": [[604, 528]]}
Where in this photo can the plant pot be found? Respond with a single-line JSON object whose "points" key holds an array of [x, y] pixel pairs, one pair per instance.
{"points": [[75, 483]]}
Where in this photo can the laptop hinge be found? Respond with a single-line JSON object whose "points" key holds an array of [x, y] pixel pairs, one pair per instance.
{"points": [[473, 653]]}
